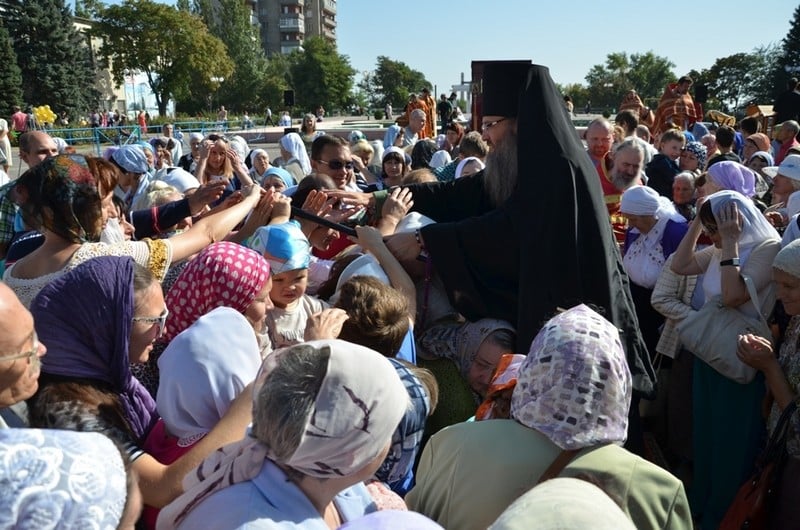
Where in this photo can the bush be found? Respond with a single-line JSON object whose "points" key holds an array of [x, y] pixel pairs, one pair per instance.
{"points": [[378, 114]]}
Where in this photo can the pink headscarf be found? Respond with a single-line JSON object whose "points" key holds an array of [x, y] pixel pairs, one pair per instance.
{"points": [[733, 176], [223, 274]]}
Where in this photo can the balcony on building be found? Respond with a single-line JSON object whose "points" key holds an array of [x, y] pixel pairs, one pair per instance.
{"points": [[329, 6], [292, 23]]}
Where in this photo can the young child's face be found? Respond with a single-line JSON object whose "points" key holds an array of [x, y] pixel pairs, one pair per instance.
{"points": [[672, 149], [288, 287]]}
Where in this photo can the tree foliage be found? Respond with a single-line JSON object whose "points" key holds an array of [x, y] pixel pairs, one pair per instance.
{"points": [[787, 64], [392, 82], [172, 47], [646, 73], [11, 80], [320, 75], [229, 20], [738, 79], [54, 58]]}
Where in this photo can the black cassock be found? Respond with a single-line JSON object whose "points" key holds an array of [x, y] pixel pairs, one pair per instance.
{"points": [[550, 245]]}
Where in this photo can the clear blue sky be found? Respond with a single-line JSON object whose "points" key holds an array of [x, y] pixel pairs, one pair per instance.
{"points": [[440, 39]]}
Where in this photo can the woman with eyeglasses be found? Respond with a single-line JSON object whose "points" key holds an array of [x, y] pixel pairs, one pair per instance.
{"points": [[96, 320], [727, 421]]}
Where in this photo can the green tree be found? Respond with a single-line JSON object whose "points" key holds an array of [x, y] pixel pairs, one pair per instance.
{"points": [[737, 79], [229, 20], [88, 8], [646, 73], [173, 48], [788, 62], [394, 81], [11, 80], [320, 75], [54, 58]]}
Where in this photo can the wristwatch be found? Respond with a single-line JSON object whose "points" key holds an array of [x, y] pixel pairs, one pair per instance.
{"points": [[729, 262]]}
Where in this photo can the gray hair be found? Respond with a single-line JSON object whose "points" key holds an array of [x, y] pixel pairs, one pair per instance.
{"points": [[791, 125], [419, 113], [633, 144], [286, 399], [688, 175]]}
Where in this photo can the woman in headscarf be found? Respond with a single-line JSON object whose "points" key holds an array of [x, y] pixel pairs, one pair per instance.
{"points": [[475, 348], [222, 275], [655, 229], [693, 158], [570, 403], [324, 414], [61, 198], [497, 403], [201, 378], [393, 167], [469, 166], [727, 420], [295, 157], [782, 374], [97, 319], [61, 479], [732, 176], [392, 136]]}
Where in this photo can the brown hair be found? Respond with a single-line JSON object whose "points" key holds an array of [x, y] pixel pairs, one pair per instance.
{"points": [[418, 176], [106, 173], [378, 314]]}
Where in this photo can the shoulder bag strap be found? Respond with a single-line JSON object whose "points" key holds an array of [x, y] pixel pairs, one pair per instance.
{"points": [[558, 465], [751, 289]]}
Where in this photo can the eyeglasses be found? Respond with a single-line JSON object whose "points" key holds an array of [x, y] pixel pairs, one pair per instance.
{"points": [[337, 164], [161, 320], [486, 126], [30, 353]]}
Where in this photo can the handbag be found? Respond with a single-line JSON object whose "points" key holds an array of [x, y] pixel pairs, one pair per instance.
{"points": [[751, 507], [713, 332]]}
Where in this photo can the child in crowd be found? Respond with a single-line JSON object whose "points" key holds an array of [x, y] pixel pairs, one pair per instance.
{"points": [[288, 252], [663, 167]]}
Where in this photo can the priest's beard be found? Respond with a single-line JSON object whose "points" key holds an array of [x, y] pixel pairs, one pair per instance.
{"points": [[622, 181], [500, 175]]}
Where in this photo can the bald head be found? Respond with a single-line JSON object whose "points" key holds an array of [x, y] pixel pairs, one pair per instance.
{"points": [[19, 373], [599, 138], [35, 146]]}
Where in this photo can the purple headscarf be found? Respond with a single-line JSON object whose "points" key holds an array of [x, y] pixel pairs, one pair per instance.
{"points": [[85, 319], [733, 176]]}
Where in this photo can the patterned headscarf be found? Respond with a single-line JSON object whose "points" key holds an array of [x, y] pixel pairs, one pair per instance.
{"points": [[700, 151], [733, 176], [85, 318], [65, 185], [60, 479], [223, 274], [200, 379], [357, 408], [408, 435], [460, 343], [575, 386]]}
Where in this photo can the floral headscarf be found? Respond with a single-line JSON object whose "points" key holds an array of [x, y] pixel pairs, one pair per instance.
{"points": [[64, 479], [575, 386], [460, 343], [223, 274], [700, 151]]}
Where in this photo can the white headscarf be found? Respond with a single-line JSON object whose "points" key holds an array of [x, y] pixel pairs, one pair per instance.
{"points": [[463, 164], [60, 479], [440, 158], [644, 258], [788, 259], [202, 371], [755, 230], [297, 149]]}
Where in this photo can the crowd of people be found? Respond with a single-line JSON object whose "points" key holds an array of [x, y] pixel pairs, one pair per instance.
{"points": [[469, 329]]}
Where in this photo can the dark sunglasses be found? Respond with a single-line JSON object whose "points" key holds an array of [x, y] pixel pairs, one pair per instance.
{"points": [[337, 164]]}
